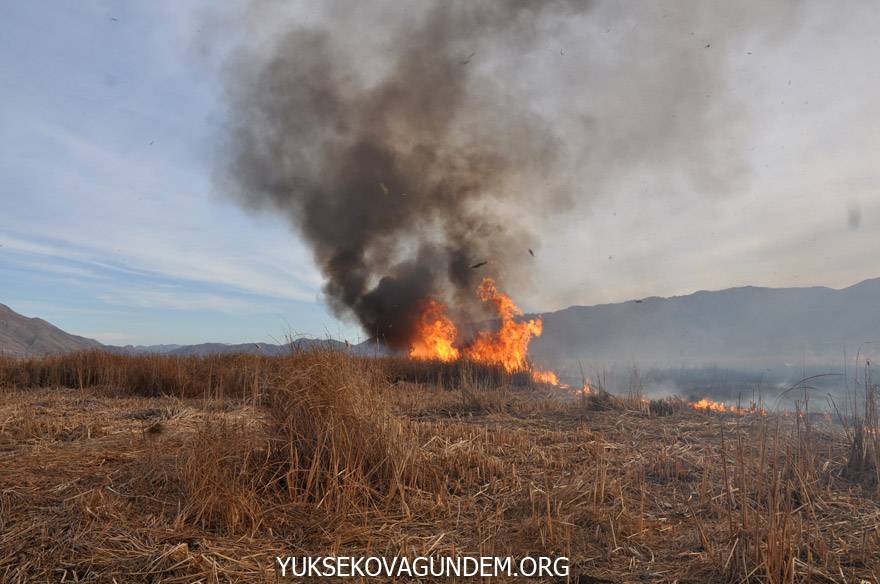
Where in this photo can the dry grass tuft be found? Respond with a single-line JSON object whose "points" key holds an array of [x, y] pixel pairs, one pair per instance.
{"points": [[220, 473], [334, 441]]}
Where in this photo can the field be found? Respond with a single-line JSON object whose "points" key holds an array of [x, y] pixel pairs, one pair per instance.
{"points": [[160, 469]]}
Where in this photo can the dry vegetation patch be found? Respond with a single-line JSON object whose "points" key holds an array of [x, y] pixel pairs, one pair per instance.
{"points": [[322, 453]]}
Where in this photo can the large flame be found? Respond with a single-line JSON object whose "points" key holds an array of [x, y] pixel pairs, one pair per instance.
{"points": [[509, 345], [436, 336]]}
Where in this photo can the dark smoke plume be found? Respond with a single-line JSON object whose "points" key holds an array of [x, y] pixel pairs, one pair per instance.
{"points": [[408, 142], [402, 175]]}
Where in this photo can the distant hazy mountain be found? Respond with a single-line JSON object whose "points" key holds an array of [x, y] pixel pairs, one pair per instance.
{"points": [[258, 348], [227, 349], [22, 336], [737, 326], [142, 349]]}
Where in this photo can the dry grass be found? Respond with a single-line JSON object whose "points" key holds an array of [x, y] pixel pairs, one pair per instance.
{"points": [[219, 376], [322, 453]]}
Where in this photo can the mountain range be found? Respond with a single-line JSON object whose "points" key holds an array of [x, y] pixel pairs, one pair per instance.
{"points": [[737, 326]]}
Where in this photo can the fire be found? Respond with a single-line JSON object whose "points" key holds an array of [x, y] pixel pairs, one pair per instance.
{"points": [[545, 377], [709, 405], [435, 334], [509, 345]]}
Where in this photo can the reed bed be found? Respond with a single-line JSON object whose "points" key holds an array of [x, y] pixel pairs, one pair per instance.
{"points": [[216, 376], [324, 453]]}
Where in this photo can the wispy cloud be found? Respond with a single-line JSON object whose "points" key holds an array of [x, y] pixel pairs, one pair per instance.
{"points": [[181, 299], [52, 268], [261, 275]]}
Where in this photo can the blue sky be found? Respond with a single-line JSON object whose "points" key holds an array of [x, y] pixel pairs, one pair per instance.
{"points": [[111, 117], [110, 227]]}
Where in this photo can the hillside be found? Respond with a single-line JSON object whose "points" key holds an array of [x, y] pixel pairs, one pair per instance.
{"points": [[23, 336]]}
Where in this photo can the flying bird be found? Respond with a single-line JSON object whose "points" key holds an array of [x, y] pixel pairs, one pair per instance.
{"points": [[531, 253], [468, 58], [479, 264]]}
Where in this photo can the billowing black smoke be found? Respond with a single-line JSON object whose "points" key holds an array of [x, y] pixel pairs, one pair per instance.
{"points": [[395, 176], [409, 141]]}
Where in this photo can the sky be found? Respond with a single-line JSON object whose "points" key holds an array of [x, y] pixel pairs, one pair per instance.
{"points": [[112, 225]]}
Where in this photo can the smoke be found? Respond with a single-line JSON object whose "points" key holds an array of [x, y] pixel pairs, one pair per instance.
{"points": [[395, 179], [407, 146]]}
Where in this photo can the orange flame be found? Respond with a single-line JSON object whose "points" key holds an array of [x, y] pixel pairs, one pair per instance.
{"points": [[709, 405], [435, 334], [509, 345], [547, 377]]}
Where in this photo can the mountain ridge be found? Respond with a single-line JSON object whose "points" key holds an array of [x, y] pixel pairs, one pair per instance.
{"points": [[746, 324]]}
